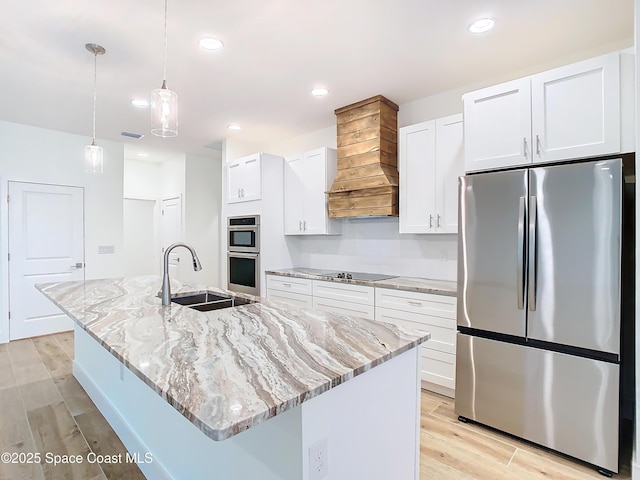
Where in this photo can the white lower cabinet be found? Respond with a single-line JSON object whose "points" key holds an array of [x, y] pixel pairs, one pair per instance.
{"points": [[431, 313], [291, 290], [344, 298]]}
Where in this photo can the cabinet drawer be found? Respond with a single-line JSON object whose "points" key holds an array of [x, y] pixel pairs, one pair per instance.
{"points": [[424, 303], [438, 368], [344, 291], [343, 308], [442, 330], [289, 284], [291, 298]]}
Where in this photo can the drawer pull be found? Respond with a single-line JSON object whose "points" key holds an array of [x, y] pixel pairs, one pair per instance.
{"points": [[417, 304], [286, 284]]}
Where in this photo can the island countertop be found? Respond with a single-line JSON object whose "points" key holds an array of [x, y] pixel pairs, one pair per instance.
{"points": [[227, 370]]}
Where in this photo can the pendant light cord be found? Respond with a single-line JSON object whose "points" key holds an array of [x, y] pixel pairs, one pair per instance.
{"points": [[95, 68], [164, 78]]}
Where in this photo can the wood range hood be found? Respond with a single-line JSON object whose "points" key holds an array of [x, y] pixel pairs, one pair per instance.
{"points": [[366, 182]]}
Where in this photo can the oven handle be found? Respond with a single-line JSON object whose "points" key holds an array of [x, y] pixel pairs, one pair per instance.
{"points": [[242, 255], [235, 228]]}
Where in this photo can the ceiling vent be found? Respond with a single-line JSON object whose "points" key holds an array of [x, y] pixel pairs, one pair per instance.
{"points": [[366, 183], [131, 135]]}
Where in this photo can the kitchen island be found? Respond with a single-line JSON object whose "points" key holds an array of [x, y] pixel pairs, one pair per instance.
{"points": [[261, 390]]}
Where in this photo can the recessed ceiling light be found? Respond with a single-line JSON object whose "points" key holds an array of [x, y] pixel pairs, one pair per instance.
{"points": [[319, 92], [234, 127], [482, 25], [210, 43], [140, 103]]}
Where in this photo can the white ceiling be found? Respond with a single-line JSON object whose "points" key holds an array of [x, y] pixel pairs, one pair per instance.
{"points": [[275, 52]]}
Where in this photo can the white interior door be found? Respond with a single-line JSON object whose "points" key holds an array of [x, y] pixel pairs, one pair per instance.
{"points": [[171, 227], [46, 244], [140, 242]]}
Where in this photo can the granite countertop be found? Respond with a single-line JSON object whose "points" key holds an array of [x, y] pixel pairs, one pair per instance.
{"points": [[413, 284], [227, 370]]}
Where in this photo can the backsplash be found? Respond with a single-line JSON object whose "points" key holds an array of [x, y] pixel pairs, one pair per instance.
{"points": [[374, 245]]}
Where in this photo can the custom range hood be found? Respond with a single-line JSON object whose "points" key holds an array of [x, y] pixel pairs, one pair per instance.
{"points": [[366, 182]]}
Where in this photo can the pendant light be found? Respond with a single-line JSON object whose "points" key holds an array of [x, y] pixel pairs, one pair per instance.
{"points": [[164, 102], [93, 155]]}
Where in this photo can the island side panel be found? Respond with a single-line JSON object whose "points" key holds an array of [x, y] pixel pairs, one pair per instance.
{"points": [[146, 423], [371, 424]]}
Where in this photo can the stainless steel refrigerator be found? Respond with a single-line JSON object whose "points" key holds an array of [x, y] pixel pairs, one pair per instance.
{"points": [[539, 272]]}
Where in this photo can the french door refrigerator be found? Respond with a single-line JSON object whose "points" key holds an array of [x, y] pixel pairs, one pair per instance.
{"points": [[539, 272]]}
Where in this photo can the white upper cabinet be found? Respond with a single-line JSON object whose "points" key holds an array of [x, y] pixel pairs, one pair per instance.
{"points": [[307, 178], [244, 179], [431, 160], [566, 113], [575, 110], [497, 126]]}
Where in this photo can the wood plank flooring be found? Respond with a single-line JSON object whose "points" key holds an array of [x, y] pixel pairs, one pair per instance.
{"points": [[44, 409]]}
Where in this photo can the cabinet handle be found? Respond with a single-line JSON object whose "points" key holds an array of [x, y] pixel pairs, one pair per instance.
{"points": [[242, 190], [304, 225], [300, 225], [537, 144], [238, 192], [526, 148], [416, 304], [438, 221], [430, 221]]}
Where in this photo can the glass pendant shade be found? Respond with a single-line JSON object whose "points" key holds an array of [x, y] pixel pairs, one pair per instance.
{"points": [[93, 158], [164, 112]]}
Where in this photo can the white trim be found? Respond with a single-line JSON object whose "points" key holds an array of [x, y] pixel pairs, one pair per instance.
{"points": [[439, 389], [4, 263]]}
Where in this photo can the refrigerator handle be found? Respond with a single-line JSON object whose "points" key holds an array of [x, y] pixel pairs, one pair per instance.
{"points": [[532, 252], [521, 244]]}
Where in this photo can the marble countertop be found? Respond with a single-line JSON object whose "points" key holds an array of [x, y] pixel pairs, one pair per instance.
{"points": [[227, 370], [413, 284]]}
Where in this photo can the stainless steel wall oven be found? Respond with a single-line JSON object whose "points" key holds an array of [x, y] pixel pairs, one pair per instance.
{"points": [[243, 254]]}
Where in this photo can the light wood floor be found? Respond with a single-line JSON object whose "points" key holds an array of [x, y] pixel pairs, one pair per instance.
{"points": [[44, 409]]}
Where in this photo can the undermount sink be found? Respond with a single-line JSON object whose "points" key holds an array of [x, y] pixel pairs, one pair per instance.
{"points": [[207, 301]]}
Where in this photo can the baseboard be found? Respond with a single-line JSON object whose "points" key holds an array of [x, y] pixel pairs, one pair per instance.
{"points": [[127, 435], [432, 387]]}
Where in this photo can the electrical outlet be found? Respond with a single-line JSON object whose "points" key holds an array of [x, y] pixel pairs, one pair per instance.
{"points": [[318, 460]]}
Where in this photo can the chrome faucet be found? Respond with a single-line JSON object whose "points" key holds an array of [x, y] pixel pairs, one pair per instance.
{"points": [[166, 286]]}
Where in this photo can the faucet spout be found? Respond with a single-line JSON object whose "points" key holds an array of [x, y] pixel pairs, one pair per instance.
{"points": [[166, 285]]}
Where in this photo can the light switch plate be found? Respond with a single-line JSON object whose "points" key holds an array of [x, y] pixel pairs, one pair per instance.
{"points": [[106, 249]]}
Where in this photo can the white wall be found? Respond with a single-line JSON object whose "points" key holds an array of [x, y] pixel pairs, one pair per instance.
{"points": [[142, 179], [32, 154], [202, 220]]}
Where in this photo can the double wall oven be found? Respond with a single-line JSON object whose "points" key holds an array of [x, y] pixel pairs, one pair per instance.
{"points": [[243, 254]]}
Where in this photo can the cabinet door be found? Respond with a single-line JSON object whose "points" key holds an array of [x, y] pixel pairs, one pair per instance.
{"points": [[315, 199], [449, 166], [234, 179], [417, 177], [497, 126], [576, 110], [251, 187], [293, 195]]}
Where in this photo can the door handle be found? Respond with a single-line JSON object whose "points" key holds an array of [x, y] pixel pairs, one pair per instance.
{"points": [[533, 207], [77, 265], [521, 247]]}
